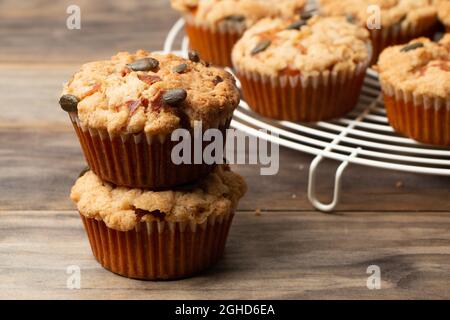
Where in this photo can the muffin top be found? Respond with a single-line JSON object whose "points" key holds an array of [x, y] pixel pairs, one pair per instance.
{"points": [[443, 9], [122, 208], [401, 12], [422, 67], [155, 93], [308, 47], [247, 12]]}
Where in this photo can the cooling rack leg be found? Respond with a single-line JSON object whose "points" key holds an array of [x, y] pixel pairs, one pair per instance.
{"points": [[337, 184]]}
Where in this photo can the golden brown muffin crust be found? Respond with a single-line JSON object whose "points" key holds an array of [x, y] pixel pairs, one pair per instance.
{"points": [[120, 100], [122, 208], [329, 43]]}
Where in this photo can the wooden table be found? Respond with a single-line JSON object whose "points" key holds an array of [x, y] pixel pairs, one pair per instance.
{"points": [[397, 221]]}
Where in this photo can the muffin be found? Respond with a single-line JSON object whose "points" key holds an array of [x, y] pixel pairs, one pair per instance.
{"points": [[158, 235], [415, 80], [401, 20], [305, 70], [214, 26], [443, 9], [124, 111]]}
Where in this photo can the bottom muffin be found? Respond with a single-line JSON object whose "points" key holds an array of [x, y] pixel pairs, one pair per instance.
{"points": [[158, 235]]}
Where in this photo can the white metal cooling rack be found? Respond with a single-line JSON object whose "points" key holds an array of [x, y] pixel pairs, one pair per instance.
{"points": [[362, 137]]}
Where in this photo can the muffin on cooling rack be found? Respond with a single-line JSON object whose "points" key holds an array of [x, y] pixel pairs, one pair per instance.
{"points": [[415, 80], [214, 26], [401, 20], [124, 111], [305, 70], [443, 9], [158, 235]]}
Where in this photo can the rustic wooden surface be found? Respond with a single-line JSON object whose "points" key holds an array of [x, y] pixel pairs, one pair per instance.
{"points": [[398, 221]]}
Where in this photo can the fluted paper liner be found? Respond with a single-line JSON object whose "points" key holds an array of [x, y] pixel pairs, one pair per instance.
{"points": [[159, 250], [138, 160], [303, 98], [422, 118], [397, 34], [213, 43]]}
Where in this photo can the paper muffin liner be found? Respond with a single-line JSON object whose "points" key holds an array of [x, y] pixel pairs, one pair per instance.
{"points": [[422, 118], [213, 43], [159, 250], [297, 98], [396, 34], [139, 160]]}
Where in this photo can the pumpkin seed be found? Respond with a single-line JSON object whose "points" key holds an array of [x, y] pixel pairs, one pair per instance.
{"points": [[194, 56], [174, 96], [180, 68], [69, 103], [261, 46], [296, 25], [145, 64], [412, 46]]}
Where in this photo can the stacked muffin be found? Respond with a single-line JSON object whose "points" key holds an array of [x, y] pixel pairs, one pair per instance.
{"points": [[214, 26], [147, 217]]}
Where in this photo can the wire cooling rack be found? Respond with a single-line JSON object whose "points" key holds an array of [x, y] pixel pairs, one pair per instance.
{"points": [[362, 137]]}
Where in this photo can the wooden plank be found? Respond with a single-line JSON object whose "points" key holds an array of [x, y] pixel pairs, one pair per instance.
{"points": [[275, 255], [39, 165], [36, 32]]}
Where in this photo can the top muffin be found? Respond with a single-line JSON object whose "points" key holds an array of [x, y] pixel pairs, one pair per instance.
{"points": [[248, 12], [149, 92], [422, 67], [393, 12], [275, 46]]}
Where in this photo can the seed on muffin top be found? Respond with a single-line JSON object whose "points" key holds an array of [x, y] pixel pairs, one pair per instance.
{"points": [[122, 208], [421, 66], [306, 46], [155, 93], [246, 12], [443, 9], [393, 12]]}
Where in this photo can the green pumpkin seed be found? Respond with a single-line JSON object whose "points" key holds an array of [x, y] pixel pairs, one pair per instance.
{"points": [[261, 46], [350, 18], [194, 56], [145, 64], [180, 68], [306, 15], [174, 97], [83, 172], [412, 46], [296, 25], [69, 103]]}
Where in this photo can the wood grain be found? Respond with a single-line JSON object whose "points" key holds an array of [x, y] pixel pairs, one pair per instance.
{"points": [[273, 256]]}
